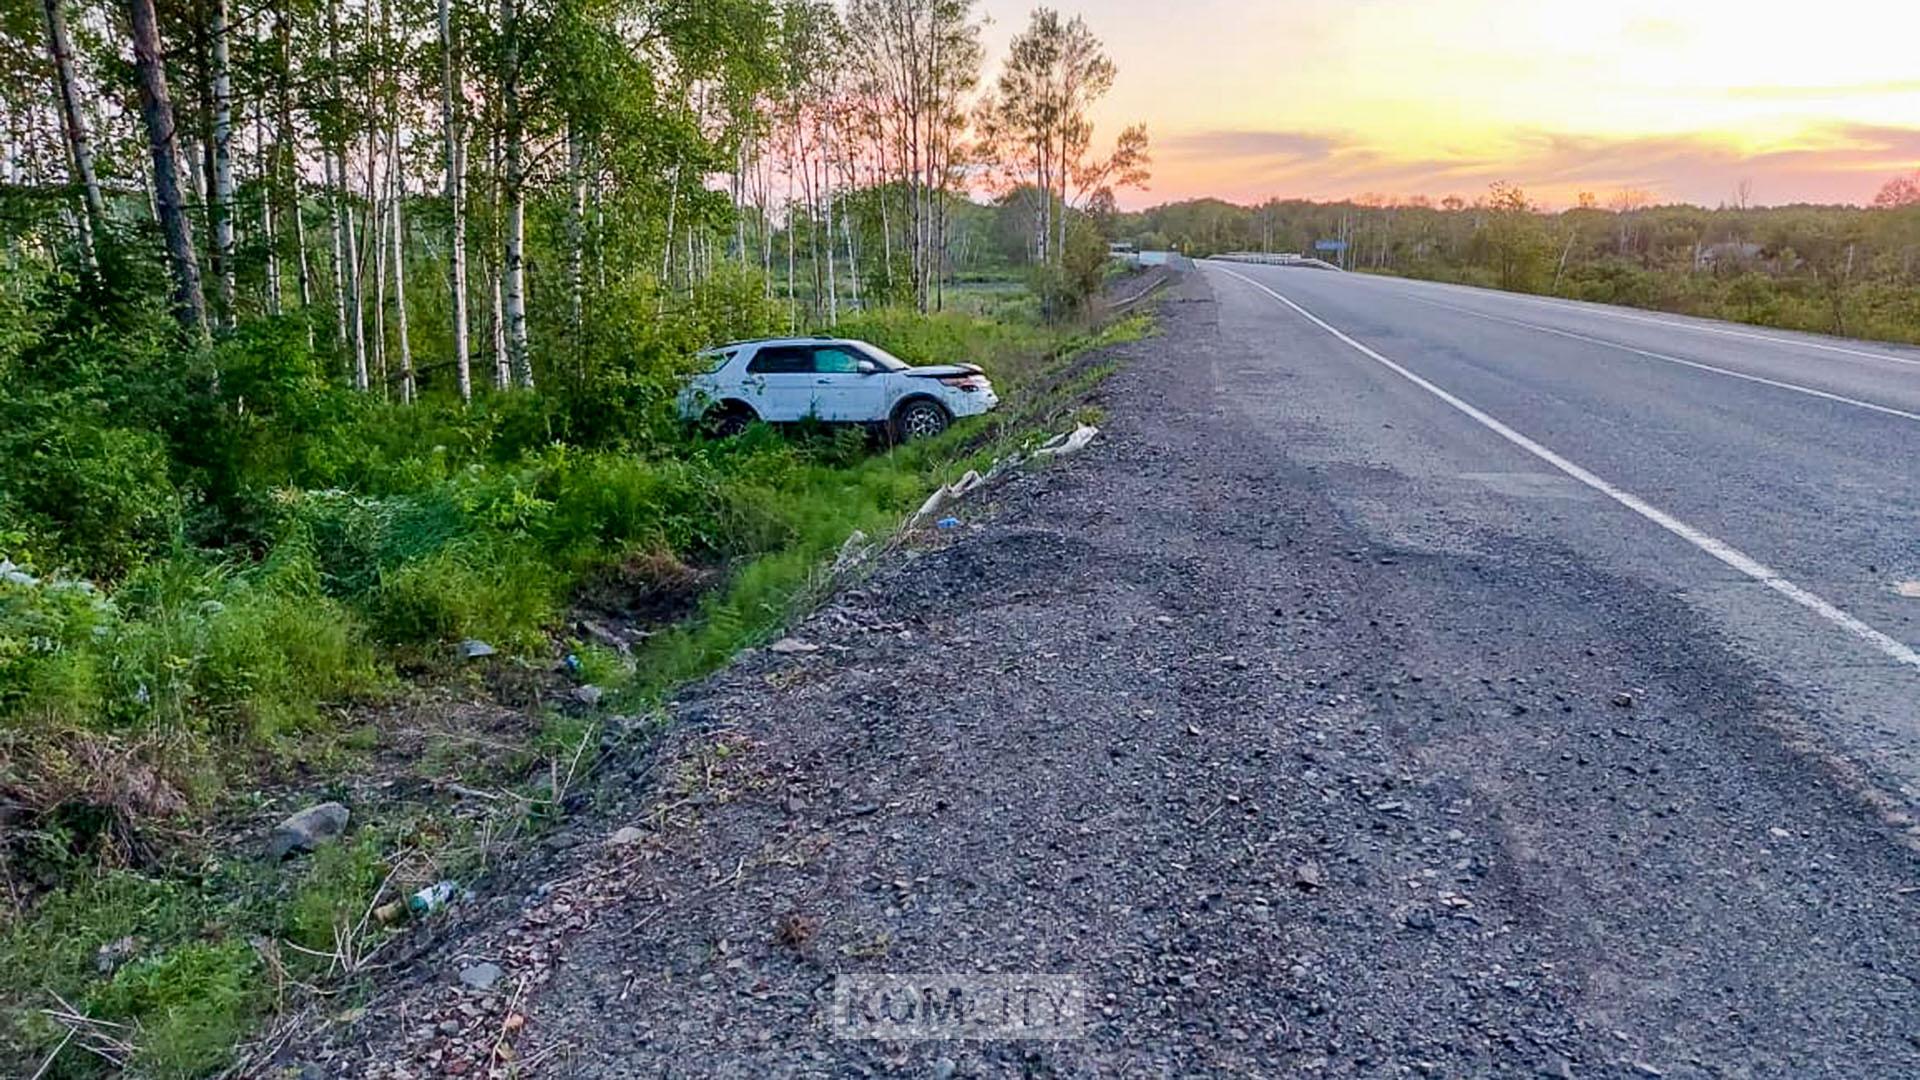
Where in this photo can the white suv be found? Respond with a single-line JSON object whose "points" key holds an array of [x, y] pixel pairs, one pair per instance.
{"points": [[836, 380]]}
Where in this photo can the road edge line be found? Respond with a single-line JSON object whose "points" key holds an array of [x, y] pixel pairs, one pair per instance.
{"points": [[1648, 353]]}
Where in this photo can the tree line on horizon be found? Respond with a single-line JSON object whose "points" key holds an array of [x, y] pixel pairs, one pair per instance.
{"points": [[1847, 270]]}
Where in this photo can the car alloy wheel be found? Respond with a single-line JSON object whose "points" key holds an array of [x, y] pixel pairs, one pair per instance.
{"points": [[922, 420]]}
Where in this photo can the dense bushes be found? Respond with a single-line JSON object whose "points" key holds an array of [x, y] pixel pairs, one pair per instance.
{"points": [[223, 561]]}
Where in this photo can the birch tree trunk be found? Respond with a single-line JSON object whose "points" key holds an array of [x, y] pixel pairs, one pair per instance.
{"points": [[576, 233], [338, 229], [355, 307], [156, 108], [346, 242], [287, 173], [269, 173], [399, 189], [516, 261], [222, 208], [456, 204], [79, 145]]}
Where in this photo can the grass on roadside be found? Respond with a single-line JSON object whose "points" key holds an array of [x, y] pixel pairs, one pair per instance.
{"points": [[130, 720]]}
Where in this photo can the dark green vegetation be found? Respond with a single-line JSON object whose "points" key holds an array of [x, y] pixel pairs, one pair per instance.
{"points": [[1832, 269], [244, 570]]}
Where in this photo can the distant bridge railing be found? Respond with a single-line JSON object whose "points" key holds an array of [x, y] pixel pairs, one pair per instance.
{"points": [[1270, 258]]}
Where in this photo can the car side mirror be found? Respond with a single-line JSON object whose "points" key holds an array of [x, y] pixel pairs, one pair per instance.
{"points": [[868, 367]]}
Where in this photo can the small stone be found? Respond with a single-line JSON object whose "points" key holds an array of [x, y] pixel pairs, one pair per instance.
{"points": [[600, 635], [788, 646], [1419, 918], [449, 1028], [587, 696], [944, 1068], [108, 958], [474, 649], [1308, 876], [481, 976], [627, 836], [1645, 1069], [1623, 700], [1779, 833], [307, 830]]}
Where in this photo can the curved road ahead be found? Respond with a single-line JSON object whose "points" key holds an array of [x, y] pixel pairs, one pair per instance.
{"points": [[1770, 480]]}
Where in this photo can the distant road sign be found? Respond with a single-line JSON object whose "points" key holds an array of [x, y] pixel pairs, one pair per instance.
{"points": [[1329, 245]]}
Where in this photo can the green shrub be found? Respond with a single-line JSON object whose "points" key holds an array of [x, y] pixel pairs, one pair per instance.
{"points": [[95, 497], [193, 1003], [502, 592]]}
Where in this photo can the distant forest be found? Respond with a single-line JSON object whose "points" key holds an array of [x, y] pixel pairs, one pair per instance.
{"points": [[1846, 270]]}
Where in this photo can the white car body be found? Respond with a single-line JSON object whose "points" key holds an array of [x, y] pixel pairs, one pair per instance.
{"points": [[837, 380]]}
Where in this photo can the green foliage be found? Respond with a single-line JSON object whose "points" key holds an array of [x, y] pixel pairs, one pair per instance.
{"points": [[336, 894], [193, 1002], [1828, 269]]}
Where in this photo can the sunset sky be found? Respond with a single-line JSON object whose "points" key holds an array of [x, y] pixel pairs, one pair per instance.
{"points": [[1247, 99]]}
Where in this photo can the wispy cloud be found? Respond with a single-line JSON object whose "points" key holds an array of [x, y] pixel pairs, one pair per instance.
{"points": [[1830, 163], [1834, 92], [1241, 145]]}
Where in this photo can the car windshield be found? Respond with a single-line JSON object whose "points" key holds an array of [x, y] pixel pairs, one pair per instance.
{"points": [[886, 360]]}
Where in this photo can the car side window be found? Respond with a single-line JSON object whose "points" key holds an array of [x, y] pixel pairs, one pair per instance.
{"points": [[781, 360], [832, 360]]}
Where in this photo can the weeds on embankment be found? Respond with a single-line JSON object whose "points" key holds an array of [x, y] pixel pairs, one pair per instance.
{"points": [[150, 725]]}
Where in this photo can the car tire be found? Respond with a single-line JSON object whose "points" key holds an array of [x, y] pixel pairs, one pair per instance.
{"points": [[921, 418], [726, 421]]}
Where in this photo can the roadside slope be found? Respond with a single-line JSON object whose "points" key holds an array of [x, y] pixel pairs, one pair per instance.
{"points": [[1286, 799]]}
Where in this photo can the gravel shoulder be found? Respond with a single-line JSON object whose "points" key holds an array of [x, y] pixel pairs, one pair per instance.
{"points": [[1288, 800]]}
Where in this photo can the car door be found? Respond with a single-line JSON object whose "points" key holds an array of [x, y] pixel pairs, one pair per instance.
{"points": [[780, 380], [841, 392]]}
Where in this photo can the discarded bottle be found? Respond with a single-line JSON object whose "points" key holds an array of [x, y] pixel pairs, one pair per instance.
{"points": [[420, 904], [432, 898]]}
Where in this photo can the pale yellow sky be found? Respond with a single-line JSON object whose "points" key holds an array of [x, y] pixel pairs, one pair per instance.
{"points": [[1810, 101]]}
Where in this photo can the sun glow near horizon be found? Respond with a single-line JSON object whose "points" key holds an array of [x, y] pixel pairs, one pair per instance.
{"points": [[1326, 99]]}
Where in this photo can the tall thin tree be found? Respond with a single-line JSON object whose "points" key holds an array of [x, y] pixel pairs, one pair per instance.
{"points": [[74, 122], [156, 108]]}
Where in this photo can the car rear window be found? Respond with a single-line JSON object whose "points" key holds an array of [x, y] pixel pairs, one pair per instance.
{"points": [[782, 360]]}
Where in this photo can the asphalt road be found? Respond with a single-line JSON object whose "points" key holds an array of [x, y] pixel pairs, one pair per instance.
{"points": [[1700, 442]]}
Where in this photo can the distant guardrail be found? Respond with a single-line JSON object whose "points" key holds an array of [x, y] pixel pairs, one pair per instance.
{"points": [[1269, 258]]}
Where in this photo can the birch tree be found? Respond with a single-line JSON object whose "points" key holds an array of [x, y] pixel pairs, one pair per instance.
{"points": [[450, 122], [74, 122], [156, 109]]}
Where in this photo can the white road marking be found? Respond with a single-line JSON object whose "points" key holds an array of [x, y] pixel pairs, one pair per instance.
{"points": [[1719, 549], [1610, 312], [1729, 372]]}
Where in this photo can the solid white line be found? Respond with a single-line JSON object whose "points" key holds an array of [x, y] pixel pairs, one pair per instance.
{"points": [[1609, 311], [1729, 372], [1719, 549]]}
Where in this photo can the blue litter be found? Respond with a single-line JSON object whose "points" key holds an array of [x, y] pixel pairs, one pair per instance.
{"points": [[948, 523]]}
